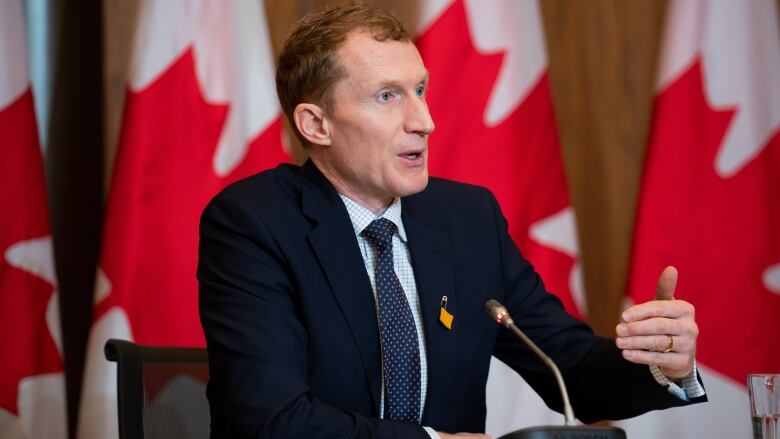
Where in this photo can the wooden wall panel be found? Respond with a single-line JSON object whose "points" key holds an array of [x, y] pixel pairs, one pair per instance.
{"points": [[603, 57]]}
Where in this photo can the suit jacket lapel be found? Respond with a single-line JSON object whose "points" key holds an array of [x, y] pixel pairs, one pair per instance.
{"points": [[431, 260], [334, 243]]}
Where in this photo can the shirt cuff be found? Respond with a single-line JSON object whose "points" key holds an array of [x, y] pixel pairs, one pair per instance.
{"points": [[685, 388], [432, 433]]}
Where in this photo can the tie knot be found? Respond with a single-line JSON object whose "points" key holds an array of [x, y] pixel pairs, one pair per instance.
{"points": [[380, 233]]}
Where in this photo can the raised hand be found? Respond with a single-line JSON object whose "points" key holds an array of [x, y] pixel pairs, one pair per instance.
{"points": [[662, 332]]}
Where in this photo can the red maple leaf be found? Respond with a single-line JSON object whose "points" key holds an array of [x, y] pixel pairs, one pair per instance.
{"points": [[163, 179], [519, 159], [26, 347], [721, 233]]}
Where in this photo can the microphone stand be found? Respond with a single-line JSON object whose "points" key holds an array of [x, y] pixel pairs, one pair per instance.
{"points": [[568, 430]]}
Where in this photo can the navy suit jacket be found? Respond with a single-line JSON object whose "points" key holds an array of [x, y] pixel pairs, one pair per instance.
{"points": [[291, 328]]}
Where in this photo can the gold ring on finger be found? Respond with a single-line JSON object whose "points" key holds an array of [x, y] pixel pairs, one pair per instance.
{"points": [[670, 346]]}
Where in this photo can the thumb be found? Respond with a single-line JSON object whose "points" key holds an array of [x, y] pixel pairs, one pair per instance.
{"points": [[667, 283]]}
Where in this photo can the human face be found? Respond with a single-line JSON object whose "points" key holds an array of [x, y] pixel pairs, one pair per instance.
{"points": [[378, 122]]}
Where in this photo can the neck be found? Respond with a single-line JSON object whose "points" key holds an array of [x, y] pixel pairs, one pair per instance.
{"points": [[375, 204]]}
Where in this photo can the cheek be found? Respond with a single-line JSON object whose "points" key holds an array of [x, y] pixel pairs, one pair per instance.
{"points": [[367, 141]]}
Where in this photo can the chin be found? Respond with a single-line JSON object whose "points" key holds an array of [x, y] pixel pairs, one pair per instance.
{"points": [[417, 185]]}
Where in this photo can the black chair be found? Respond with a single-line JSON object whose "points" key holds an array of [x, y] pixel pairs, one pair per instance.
{"points": [[161, 391]]}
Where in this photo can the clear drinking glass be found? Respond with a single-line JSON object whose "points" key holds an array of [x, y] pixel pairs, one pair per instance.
{"points": [[764, 391]]}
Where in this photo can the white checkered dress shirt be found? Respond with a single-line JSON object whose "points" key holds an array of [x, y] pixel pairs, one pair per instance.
{"points": [[402, 264], [686, 388]]}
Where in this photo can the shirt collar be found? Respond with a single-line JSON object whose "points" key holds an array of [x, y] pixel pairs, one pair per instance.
{"points": [[362, 217]]}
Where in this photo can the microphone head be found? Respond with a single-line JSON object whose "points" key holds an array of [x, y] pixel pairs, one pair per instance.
{"points": [[498, 312]]}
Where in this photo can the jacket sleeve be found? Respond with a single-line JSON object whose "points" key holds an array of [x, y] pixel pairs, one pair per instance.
{"points": [[601, 384], [256, 343]]}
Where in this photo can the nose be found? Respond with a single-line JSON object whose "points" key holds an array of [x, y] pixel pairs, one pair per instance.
{"points": [[418, 118]]}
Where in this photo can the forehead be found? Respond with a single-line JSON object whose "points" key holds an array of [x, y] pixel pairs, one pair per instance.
{"points": [[368, 62]]}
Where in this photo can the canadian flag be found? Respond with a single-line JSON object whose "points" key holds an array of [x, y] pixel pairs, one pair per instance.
{"points": [[495, 126], [200, 112], [709, 202], [32, 387]]}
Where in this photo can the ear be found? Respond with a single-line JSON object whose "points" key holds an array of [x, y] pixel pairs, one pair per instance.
{"points": [[310, 121]]}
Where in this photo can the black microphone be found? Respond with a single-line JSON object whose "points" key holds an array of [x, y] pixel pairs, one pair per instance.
{"points": [[569, 430]]}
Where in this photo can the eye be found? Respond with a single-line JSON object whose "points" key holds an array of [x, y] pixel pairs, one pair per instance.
{"points": [[385, 96], [420, 90]]}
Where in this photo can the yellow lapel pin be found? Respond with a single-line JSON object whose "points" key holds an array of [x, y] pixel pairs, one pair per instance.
{"points": [[444, 316]]}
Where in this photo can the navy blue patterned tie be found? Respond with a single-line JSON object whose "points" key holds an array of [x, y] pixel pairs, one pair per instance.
{"points": [[400, 348]]}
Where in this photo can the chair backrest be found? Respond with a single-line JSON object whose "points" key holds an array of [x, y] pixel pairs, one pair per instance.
{"points": [[161, 391]]}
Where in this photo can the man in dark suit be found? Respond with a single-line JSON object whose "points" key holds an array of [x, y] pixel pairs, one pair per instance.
{"points": [[345, 298]]}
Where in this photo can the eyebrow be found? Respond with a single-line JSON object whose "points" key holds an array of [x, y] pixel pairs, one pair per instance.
{"points": [[396, 84]]}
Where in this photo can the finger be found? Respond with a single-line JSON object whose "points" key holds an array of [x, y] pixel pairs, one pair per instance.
{"points": [[667, 283], [673, 309], [656, 326], [657, 343], [671, 360]]}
